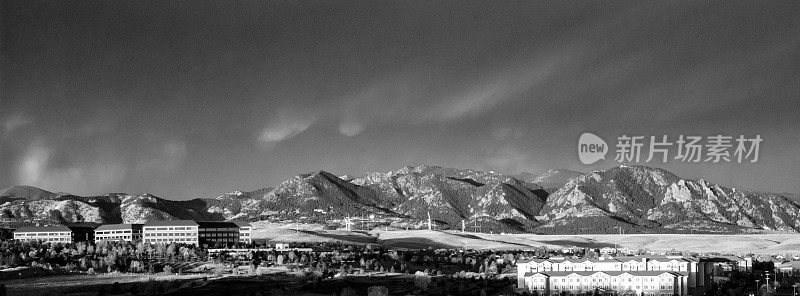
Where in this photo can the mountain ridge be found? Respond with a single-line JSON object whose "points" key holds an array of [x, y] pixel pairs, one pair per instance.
{"points": [[635, 198]]}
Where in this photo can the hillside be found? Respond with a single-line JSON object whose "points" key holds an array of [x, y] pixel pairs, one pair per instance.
{"points": [[407, 195], [19, 192], [654, 198], [552, 180], [634, 199]]}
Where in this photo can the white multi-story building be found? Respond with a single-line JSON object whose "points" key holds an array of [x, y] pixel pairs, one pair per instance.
{"points": [[61, 234], [649, 283], [688, 273], [125, 232], [170, 231], [245, 231]]}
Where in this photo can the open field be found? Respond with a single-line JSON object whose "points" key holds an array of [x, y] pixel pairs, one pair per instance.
{"points": [[771, 243], [74, 284]]}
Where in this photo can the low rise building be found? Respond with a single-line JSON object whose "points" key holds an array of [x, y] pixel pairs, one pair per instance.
{"points": [[691, 271], [124, 232], [742, 264], [61, 234], [790, 267], [245, 232], [170, 231], [214, 234], [648, 283]]}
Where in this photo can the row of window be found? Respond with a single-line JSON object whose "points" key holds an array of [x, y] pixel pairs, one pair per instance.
{"points": [[171, 234], [44, 234], [597, 268], [231, 240], [220, 229], [113, 237], [219, 234], [51, 239], [116, 231], [586, 287], [170, 228], [613, 279], [177, 239]]}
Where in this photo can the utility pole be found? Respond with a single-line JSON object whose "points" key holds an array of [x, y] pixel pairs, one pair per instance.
{"points": [[429, 221], [462, 226]]}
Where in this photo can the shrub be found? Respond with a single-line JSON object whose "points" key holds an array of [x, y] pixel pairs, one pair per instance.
{"points": [[421, 280], [377, 291]]}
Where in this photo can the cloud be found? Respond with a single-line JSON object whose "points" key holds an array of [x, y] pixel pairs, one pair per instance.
{"points": [[508, 159], [14, 122], [410, 98], [165, 158], [282, 128], [36, 169], [351, 128]]}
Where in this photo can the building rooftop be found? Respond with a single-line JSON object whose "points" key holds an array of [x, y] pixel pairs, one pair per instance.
{"points": [[724, 258], [42, 228], [119, 226], [242, 223], [611, 273], [789, 264], [216, 224], [171, 223]]}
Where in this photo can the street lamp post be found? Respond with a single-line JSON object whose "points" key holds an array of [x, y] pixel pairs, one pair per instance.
{"points": [[767, 280], [757, 287], [795, 288]]}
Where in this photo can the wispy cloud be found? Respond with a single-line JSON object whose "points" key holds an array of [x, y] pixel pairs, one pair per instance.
{"points": [[15, 122], [166, 157], [36, 168], [283, 127], [493, 90], [413, 100]]}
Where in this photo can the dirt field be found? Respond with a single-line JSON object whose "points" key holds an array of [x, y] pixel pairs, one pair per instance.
{"points": [[772, 243]]}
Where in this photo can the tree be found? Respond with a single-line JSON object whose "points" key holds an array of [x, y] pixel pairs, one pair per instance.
{"points": [[421, 280]]}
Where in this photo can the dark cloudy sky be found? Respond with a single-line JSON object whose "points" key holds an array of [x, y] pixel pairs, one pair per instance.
{"points": [[190, 99]]}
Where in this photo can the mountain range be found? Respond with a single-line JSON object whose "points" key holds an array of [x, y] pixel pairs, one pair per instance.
{"points": [[625, 198]]}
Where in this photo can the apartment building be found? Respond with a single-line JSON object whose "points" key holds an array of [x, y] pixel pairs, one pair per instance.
{"points": [[124, 232], [170, 231], [635, 283], [689, 271]]}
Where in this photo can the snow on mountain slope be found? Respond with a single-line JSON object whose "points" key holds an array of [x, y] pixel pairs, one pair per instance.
{"points": [[637, 198], [551, 180], [657, 198]]}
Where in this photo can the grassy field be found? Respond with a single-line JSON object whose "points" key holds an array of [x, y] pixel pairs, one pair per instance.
{"points": [[88, 284], [772, 243]]}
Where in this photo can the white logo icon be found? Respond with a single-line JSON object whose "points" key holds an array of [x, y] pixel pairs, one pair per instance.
{"points": [[591, 148]]}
